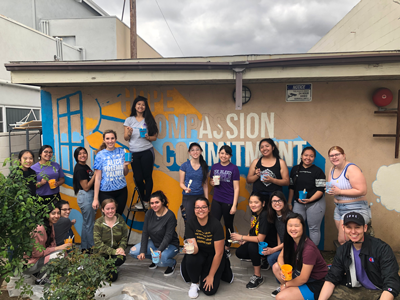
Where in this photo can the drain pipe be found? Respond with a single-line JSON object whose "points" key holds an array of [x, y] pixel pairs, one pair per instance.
{"points": [[239, 84], [34, 14]]}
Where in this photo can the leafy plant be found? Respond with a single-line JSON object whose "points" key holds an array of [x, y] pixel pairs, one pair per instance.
{"points": [[20, 213], [76, 276]]}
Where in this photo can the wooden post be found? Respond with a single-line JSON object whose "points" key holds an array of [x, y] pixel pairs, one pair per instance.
{"points": [[133, 29]]}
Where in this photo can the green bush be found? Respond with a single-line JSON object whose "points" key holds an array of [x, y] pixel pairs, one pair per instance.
{"points": [[76, 276], [20, 213]]}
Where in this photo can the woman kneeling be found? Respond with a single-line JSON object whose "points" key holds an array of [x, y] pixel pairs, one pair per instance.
{"points": [[109, 234], [207, 264], [309, 267], [159, 225]]}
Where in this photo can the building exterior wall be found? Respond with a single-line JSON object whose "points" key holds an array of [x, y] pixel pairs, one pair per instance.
{"points": [[341, 113], [96, 35], [124, 48], [371, 25], [30, 12]]}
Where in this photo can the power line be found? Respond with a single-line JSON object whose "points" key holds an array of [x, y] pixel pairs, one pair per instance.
{"points": [[169, 28]]}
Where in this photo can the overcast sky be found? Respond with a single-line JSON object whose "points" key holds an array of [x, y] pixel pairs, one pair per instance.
{"points": [[230, 27]]}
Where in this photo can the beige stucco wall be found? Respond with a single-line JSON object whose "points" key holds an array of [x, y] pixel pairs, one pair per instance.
{"points": [[341, 113], [123, 44], [371, 25]]}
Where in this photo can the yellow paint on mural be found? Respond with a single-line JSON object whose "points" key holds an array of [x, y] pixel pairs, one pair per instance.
{"points": [[90, 123], [127, 93], [115, 110], [179, 104], [95, 140]]}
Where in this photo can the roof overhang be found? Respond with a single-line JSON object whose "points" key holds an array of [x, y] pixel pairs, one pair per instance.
{"points": [[211, 70]]}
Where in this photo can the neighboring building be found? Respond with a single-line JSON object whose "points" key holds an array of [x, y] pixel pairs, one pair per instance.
{"points": [[49, 30], [372, 25], [191, 99]]}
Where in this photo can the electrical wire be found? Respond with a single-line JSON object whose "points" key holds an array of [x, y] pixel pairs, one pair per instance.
{"points": [[169, 28], [123, 9]]}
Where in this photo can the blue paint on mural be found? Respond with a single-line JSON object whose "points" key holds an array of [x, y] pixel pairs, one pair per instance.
{"points": [[64, 138], [75, 214], [47, 118], [76, 137]]}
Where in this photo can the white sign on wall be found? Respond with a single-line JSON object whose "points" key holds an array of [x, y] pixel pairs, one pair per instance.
{"points": [[298, 92]]}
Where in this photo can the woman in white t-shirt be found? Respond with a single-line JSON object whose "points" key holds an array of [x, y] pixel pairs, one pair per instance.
{"points": [[140, 129]]}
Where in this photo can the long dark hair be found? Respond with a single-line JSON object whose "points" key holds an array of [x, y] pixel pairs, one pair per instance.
{"points": [[42, 149], [75, 182], [46, 223], [271, 216], [260, 197], [301, 162], [161, 196], [290, 256], [148, 116], [203, 164], [275, 151]]}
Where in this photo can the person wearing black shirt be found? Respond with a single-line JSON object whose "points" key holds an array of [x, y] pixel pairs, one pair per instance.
{"points": [[159, 225], [83, 183], [25, 157], [207, 265], [308, 177], [261, 230]]}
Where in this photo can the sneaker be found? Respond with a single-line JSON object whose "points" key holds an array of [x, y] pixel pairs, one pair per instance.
{"points": [[140, 206], [42, 281], [265, 265], [255, 282], [153, 266], [245, 259], [228, 253], [194, 291], [170, 270], [276, 292]]}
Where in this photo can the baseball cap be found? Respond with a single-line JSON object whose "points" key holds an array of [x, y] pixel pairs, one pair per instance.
{"points": [[353, 217]]}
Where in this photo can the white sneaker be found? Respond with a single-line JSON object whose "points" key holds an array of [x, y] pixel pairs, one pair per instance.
{"points": [[140, 206], [194, 291]]}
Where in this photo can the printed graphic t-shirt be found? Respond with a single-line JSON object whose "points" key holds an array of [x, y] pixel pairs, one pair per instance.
{"points": [[111, 165], [224, 191], [83, 172], [205, 235], [260, 224]]}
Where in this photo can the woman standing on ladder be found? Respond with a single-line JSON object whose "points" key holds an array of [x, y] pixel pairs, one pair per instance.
{"points": [[140, 129]]}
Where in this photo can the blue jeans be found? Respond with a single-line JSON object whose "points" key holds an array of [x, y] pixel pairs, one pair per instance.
{"points": [[273, 258], [85, 200], [166, 256]]}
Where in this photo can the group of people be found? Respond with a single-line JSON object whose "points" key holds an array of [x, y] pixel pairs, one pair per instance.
{"points": [[276, 221]]}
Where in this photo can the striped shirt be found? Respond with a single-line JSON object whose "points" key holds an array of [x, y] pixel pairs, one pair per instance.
{"points": [[343, 183]]}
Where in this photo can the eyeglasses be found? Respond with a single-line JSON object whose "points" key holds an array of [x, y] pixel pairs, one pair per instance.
{"points": [[66, 209], [201, 207], [335, 155], [277, 201], [48, 152]]}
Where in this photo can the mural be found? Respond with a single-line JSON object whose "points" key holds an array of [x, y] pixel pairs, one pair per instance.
{"points": [[385, 186], [79, 119]]}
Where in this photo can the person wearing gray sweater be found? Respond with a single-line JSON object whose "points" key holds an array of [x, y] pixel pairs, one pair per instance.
{"points": [[158, 235]]}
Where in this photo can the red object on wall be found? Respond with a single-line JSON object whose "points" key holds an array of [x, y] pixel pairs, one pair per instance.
{"points": [[382, 97]]}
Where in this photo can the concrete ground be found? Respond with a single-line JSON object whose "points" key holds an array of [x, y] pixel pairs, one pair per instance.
{"points": [[173, 287]]}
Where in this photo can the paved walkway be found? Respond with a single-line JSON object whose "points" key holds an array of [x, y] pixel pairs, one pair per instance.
{"points": [[173, 287]]}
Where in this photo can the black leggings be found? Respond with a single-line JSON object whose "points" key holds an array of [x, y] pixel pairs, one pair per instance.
{"points": [[196, 267], [219, 209], [142, 166], [120, 259], [249, 250], [120, 196]]}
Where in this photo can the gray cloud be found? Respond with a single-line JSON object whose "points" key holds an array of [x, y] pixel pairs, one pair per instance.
{"points": [[228, 27]]}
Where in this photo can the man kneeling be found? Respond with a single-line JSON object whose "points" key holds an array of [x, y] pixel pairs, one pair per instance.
{"points": [[364, 263]]}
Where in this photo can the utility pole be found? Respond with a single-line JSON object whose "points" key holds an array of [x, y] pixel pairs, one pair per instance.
{"points": [[133, 30]]}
